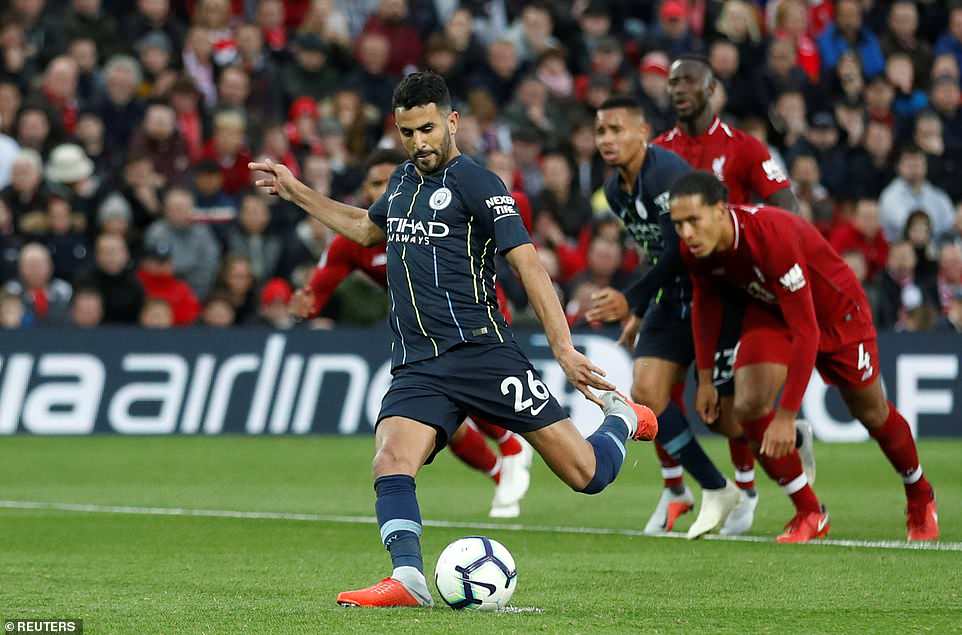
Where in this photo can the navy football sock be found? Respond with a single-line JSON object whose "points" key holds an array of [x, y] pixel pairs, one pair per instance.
{"points": [[608, 442], [400, 519], [676, 437]]}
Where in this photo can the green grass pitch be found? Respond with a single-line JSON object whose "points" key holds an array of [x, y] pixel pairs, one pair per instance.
{"points": [[149, 573]]}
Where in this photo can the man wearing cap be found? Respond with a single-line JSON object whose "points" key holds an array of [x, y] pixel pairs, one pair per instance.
{"points": [[275, 297], [156, 274], [212, 205], [70, 168], [672, 34], [653, 93]]}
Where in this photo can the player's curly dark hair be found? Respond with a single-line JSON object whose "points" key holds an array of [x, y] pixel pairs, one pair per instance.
{"points": [[712, 190], [421, 89]]}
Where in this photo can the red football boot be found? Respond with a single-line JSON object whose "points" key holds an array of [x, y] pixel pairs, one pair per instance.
{"points": [[805, 526], [922, 520], [386, 593]]}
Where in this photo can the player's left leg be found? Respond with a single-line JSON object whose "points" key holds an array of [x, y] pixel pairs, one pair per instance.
{"points": [[589, 465], [891, 431], [761, 366]]}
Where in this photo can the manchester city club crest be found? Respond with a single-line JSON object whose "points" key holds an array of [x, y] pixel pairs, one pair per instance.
{"points": [[440, 199]]}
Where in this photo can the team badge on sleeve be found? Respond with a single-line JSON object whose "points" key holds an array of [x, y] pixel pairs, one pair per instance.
{"points": [[773, 171], [794, 279]]}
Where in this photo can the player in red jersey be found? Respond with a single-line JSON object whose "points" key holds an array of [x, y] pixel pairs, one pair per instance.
{"points": [[805, 309], [510, 470], [744, 164]]}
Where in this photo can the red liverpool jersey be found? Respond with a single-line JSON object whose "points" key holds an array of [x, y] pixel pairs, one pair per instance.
{"points": [[782, 262], [345, 256], [342, 258], [736, 158]]}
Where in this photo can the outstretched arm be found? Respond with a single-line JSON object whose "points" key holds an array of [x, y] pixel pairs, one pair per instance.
{"points": [[347, 220], [581, 372]]}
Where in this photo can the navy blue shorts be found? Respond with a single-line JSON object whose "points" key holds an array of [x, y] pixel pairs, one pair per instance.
{"points": [[495, 381], [665, 334]]}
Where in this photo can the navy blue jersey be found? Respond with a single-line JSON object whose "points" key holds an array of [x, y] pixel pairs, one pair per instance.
{"points": [[645, 214], [443, 231]]}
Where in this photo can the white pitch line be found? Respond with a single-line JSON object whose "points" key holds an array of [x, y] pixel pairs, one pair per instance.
{"points": [[449, 524]]}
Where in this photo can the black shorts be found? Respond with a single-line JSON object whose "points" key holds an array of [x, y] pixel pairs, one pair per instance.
{"points": [[665, 334], [495, 381]]}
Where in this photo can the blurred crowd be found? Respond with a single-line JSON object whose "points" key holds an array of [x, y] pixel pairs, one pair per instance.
{"points": [[126, 129]]}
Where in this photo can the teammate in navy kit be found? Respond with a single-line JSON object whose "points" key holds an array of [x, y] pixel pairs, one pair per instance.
{"points": [[444, 218], [638, 193]]}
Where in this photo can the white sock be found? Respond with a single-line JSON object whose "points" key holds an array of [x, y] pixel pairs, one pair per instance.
{"points": [[415, 582]]}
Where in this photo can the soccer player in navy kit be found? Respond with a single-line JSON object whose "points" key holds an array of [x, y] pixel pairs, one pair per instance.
{"points": [[638, 194], [444, 217]]}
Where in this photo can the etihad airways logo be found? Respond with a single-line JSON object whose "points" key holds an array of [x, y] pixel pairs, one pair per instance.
{"points": [[414, 231]]}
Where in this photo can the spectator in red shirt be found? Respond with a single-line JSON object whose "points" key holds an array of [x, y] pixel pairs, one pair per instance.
{"points": [[863, 233], [228, 149], [391, 20], [156, 274], [791, 21]]}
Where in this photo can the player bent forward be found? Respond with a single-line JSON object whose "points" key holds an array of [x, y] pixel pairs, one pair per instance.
{"points": [[805, 310], [444, 217]]}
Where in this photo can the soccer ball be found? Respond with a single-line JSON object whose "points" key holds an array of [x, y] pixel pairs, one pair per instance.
{"points": [[476, 573]]}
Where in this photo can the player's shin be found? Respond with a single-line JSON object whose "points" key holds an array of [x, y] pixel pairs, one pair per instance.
{"points": [[743, 459], [786, 470], [671, 470], [608, 442], [675, 436], [895, 440], [399, 518]]}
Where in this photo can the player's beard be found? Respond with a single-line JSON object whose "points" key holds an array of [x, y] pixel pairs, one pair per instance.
{"points": [[442, 156]]}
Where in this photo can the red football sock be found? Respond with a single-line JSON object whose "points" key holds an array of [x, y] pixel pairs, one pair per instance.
{"points": [[507, 441], [744, 461], [671, 470], [895, 439], [473, 450], [786, 471]]}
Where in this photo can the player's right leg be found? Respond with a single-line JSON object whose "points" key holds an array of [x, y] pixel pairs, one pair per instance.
{"points": [[652, 385], [761, 367], [402, 446]]}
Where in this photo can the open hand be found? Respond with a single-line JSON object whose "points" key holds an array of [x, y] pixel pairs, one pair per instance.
{"points": [[779, 438], [706, 402], [583, 374]]}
